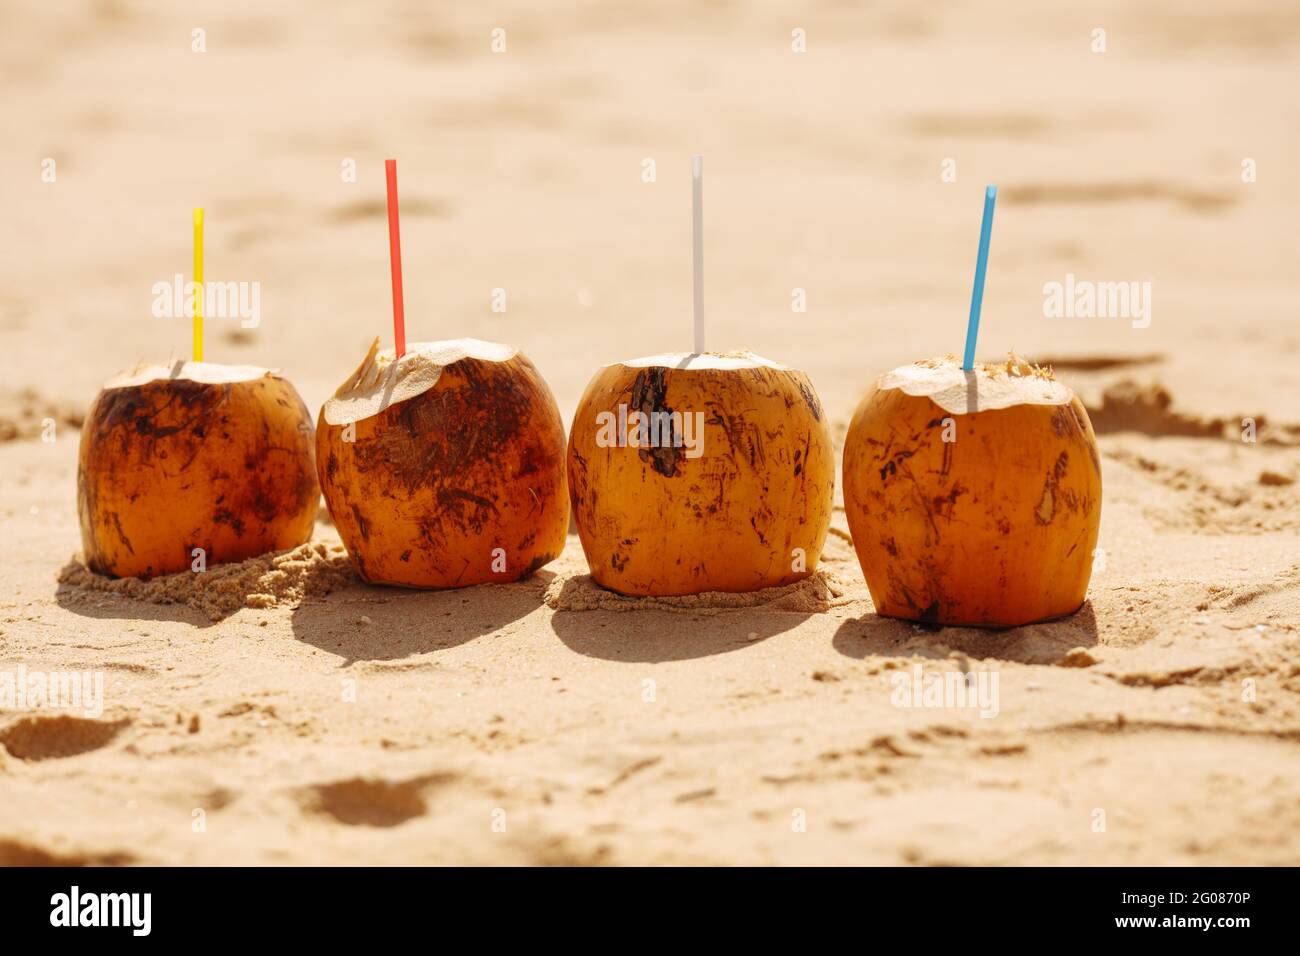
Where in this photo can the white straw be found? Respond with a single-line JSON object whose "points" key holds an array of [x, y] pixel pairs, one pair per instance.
{"points": [[697, 242]]}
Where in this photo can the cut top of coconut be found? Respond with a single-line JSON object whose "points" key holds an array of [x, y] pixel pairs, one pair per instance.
{"points": [[383, 380], [984, 388], [695, 361], [205, 373]]}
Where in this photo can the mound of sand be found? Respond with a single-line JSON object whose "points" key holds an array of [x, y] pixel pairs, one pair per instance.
{"points": [[820, 591], [278, 579], [1127, 405]]}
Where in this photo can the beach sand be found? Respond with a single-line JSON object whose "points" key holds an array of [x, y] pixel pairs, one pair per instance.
{"points": [[283, 712]]}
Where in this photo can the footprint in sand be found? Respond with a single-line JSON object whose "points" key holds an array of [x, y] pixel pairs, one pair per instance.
{"points": [[26, 415], [363, 209], [369, 802], [46, 738], [978, 125], [1091, 193], [23, 853]]}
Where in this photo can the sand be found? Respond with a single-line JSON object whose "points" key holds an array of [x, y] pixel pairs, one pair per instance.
{"points": [[277, 579], [279, 711]]}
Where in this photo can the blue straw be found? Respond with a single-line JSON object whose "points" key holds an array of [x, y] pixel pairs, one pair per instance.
{"points": [[981, 266]]}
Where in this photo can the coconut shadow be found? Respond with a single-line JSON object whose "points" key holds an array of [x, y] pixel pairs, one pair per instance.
{"points": [[656, 636], [407, 621], [115, 606], [1046, 642]]}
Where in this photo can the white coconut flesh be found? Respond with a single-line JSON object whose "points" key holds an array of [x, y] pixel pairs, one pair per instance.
{"points": [[205, 373], [984, 388], [383, 380], [701, 361]]}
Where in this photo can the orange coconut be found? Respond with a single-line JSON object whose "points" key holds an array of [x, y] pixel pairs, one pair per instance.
{"points": [[721, 481], [973, 497], [194, 455], [445, 468]]}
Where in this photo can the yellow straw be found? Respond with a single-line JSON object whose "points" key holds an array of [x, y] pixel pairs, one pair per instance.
{"points": [[198, 284]]}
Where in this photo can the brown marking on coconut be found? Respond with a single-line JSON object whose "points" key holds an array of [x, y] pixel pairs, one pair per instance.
{"points": [[810, 399], [649, 396], [537, 564]]}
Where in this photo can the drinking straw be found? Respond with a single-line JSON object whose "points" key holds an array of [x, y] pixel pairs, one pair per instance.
{"points": [[395, 258], [697, 243], [198, 283], [981, 264]]}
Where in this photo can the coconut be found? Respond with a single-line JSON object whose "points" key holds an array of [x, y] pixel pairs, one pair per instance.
{"points": [[700, 472], [974, 498], [445, 467], [194, 455]]}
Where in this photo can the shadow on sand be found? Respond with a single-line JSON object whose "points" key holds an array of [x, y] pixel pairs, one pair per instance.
{"points": [[1045, 643], [121, 605], [405, 621], [655, 636]]}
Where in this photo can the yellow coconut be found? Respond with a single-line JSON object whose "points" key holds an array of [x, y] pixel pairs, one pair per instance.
{"points": [[194, 455], [700, 472], [973, 497], [445, 468]]}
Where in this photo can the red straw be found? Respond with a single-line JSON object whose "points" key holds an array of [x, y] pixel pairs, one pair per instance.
{"points": [[395, 258]]}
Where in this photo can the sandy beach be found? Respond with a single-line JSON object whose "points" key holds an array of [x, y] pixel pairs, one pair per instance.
{"points": [[280, 711]]}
